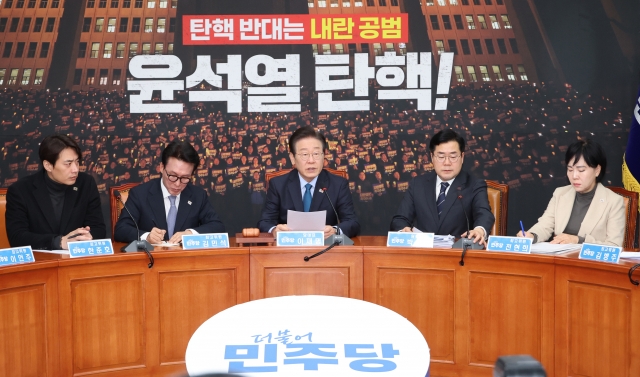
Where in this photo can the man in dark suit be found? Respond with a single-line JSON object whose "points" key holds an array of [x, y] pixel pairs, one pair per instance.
{"points": [[171, 206], [304, 184], [57, 204], [430, 203]]}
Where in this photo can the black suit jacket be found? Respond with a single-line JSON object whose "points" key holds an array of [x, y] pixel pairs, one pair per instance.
{"points": [[146, 204], [418, 207], [30, 218], [284, 194]]}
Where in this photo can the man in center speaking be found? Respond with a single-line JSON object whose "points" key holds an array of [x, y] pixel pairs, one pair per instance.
{"points": [[430, 202], [303, 189]]}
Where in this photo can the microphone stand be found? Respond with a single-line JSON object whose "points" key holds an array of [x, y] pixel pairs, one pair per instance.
{"points": [[138, 244], [464, 242], [340, 239]]}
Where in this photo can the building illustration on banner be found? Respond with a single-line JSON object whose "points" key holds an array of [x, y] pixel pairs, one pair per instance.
{"points": [[90, 45]]}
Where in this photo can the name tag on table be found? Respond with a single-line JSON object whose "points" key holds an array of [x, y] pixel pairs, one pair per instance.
{"points": [[408, 239], [205, 241], [300, 238], [509, 244], [600, 253], [16, 255], [91, 248]]}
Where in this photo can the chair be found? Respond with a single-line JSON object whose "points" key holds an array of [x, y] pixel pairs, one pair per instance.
{"points": [[631, 209], [4, 240], [268, 176], [116, 205], [499, 202]]}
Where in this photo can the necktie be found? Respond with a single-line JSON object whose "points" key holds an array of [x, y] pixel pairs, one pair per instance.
{"points": [[171, 217], [441, 197], [306, 199]]}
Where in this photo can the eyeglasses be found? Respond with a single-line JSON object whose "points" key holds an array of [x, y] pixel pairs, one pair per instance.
{"points": [[305, 156], [174, 178], [441, 157]]}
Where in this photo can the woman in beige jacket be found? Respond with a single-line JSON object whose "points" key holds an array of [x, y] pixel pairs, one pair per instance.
{"points": [[585, 210]]}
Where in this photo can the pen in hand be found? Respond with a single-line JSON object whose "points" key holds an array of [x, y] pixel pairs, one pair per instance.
{"points": [[155, 225], [522, 228], [74, 236]]}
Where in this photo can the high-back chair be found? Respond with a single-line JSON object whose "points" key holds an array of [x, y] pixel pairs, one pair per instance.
{"points": [[116, 205], [499, 201], [631, 215], [4, 240]]}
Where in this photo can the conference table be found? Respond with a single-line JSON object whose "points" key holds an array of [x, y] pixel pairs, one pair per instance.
{"points": [[113, 316]]}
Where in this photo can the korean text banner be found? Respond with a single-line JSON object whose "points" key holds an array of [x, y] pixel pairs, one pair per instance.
{"points": [[294, 29]]}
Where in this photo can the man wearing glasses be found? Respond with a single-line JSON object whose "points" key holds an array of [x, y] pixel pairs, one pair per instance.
{"points": [[171, 206], [430, 202], [303, 189]]}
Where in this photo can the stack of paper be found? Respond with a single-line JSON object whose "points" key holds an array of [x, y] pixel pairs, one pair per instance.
{"points": [[443, 242], [630, 255], [53, 251], [548, 248], [439, 241]]}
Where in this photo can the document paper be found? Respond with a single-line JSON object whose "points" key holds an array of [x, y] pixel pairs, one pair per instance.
{"points": [[549, 248], [307, 221]]}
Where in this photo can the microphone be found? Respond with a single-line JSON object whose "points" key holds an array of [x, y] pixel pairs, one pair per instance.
{"points": [[339, 239], [459, 199], [331, 241], [464, 242], [324, 191], [136, 245]]}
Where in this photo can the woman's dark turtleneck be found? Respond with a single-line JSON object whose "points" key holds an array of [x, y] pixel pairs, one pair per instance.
{"points": [[581, 205], [56, 193]]}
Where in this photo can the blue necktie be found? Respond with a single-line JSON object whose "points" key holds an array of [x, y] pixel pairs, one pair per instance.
{"points": [[441, 197], [306, 199], [171, 217]]}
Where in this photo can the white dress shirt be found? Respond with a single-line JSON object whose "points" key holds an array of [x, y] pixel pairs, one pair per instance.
{"points": [[167, 205], [439, 181], [303, 189]]}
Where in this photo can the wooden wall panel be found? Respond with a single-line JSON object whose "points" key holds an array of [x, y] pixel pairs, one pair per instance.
{"points": [[22, 331], [114, 317], [289, 281], [424, 288], [426, 298], [107, 325], [188, 288], [506, 308], [277, 272], [29, 322], [599, 330], [119, 318], [494, 305], [505, 317], [597, 319], [187, 299], [104, 316]]}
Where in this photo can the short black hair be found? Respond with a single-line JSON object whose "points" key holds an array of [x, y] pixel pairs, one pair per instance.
{"points": [[446, 136], [592, 153], [303, 133], [183, 151], [53, 145]]}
